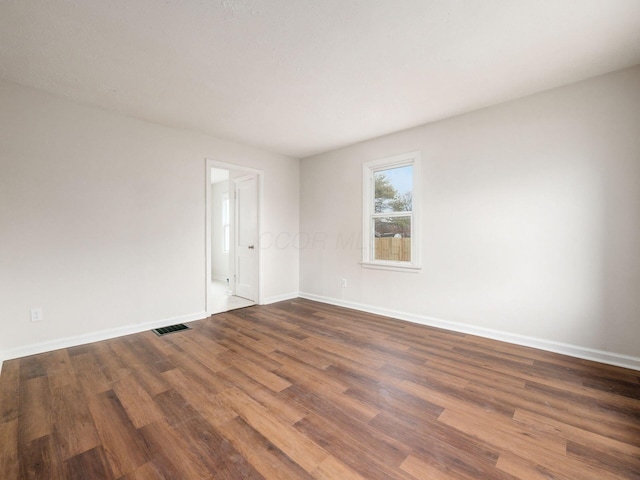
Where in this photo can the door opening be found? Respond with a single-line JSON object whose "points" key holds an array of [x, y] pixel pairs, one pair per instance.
{"points": [[232, 232]]}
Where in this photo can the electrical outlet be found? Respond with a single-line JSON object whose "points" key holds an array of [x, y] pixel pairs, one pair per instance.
{"points": [[344, 282], [36, 315]]}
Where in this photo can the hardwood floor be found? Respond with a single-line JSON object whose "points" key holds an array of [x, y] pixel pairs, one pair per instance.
{"points": [[303, 390]]}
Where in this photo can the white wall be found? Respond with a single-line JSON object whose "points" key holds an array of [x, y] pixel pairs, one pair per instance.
{"points": [[530, 220], [102, 220], [219, 258]]}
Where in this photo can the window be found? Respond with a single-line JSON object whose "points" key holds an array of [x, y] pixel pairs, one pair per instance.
{"points": [[225, 222], [390, 220]]}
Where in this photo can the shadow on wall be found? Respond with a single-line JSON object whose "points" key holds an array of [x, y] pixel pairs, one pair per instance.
{"points": [[620, 239]]}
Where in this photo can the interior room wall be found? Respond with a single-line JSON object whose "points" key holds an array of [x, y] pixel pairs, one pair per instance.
{"points": [[219, 258], [530, 222], [102, 221]]}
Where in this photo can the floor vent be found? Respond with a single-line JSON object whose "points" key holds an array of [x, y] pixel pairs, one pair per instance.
{"points": [[170, 329]]}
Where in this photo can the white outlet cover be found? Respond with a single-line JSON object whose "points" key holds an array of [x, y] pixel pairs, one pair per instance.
{"points": [[36, 315]]}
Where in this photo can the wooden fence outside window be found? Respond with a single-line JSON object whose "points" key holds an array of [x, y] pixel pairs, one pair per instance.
{"points": [[394, 249]]}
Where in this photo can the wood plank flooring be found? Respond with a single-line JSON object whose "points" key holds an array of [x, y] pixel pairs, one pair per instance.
{"points": [[303, 390]]}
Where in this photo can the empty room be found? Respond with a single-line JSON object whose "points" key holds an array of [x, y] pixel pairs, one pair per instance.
{"points": [[320, 239]]}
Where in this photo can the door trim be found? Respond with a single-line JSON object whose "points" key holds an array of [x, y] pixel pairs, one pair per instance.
{"points": [[209, 164]]}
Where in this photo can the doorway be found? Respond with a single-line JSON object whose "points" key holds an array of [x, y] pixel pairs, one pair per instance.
{"points": [[232, 232]]}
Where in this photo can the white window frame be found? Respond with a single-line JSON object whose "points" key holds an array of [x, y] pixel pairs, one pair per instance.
{"points": [[225, 223], [368, 212]]}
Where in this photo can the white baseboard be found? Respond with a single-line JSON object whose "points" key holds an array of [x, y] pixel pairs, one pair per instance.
{"points": [[577, 351], [548, 345], [95, 336], [280, 298]]}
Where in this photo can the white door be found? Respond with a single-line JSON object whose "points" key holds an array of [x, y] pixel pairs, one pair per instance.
{"points": [[246, 236]]}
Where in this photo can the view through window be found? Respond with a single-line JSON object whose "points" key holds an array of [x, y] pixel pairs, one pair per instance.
{"points": [[392, 213]]}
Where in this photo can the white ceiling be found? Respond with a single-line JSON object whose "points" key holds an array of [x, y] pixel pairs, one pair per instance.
{"points": [[301, 77]]}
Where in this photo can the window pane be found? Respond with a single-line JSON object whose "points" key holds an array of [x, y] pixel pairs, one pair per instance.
{"points": [[225, 222], [225, 209], [393, 189], [225, 239], [392, 239]]}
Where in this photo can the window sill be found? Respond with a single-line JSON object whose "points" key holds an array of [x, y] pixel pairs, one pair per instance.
{"points": [[394, 267]]}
